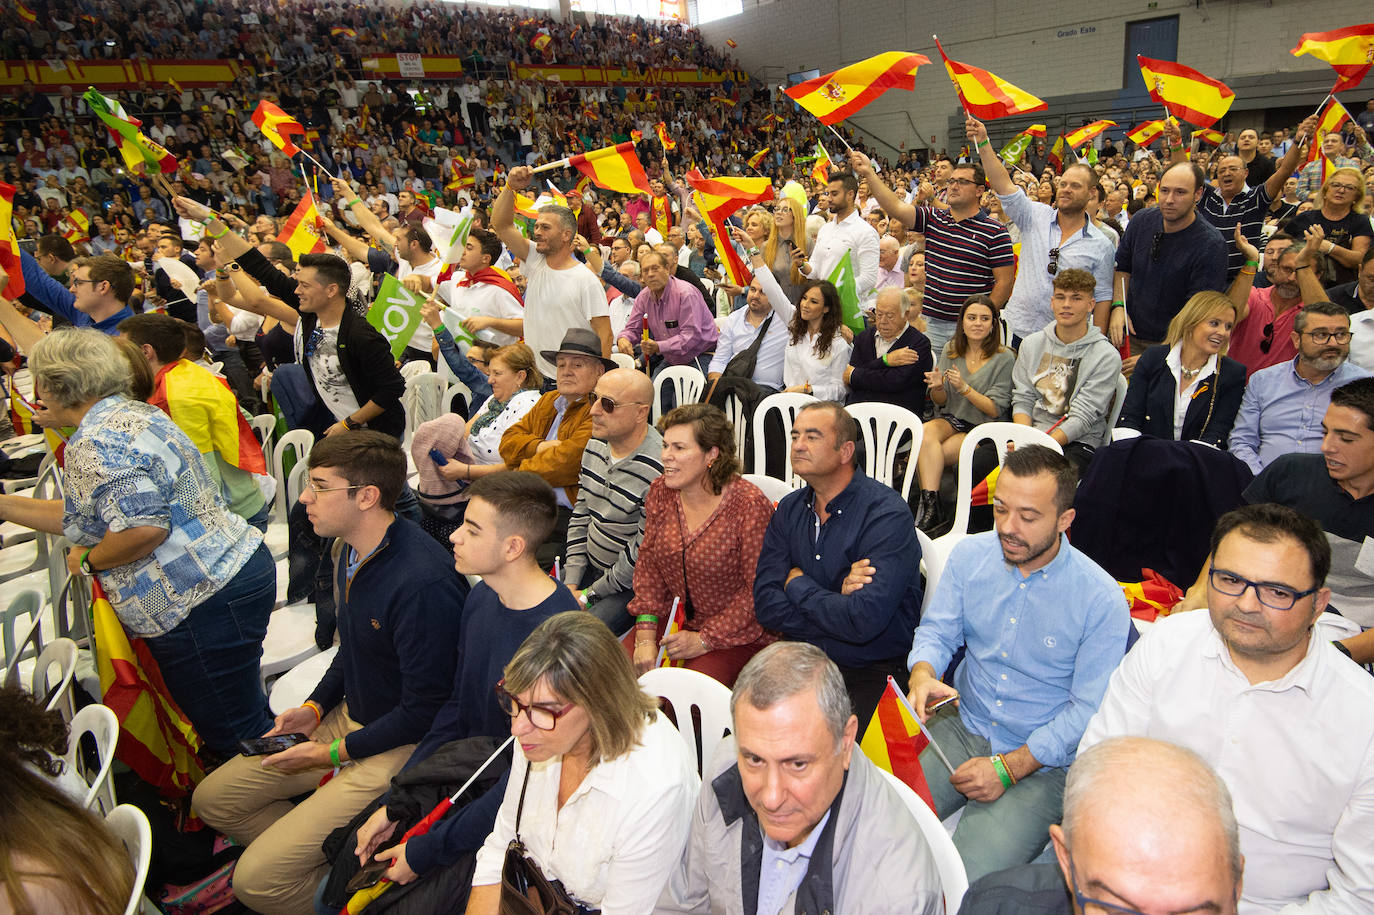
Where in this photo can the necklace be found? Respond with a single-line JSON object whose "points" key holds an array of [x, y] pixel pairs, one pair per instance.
{"points": [[1189, 374]]}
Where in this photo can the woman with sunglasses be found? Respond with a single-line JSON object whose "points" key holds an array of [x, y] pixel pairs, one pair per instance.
{"points": [[703, 531], [601, 787]]}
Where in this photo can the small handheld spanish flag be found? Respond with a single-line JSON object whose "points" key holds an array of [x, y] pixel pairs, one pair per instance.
{"points": [[757, 157], [668, 142]]}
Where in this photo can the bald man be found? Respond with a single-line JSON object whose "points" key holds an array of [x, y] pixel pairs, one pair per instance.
{"points": [[619, 463], [1148, 827], [889, 270]]}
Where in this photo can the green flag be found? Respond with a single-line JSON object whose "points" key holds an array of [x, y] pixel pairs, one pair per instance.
{"points": [[395, 313], [843, 279], [1011, 153], [136, 148]]}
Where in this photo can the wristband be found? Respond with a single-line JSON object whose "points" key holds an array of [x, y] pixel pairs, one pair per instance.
{"points": [[314, 708], [1118, 304], [884, 360], [1000, 767], [351, 424], [334, 752], [647, 618], [86, 562], [220, 235], [985, 142], [1252, 263], [349, 203]]}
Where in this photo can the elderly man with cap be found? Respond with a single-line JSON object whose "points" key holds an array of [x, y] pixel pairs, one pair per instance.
{"points": [[550, 439]]}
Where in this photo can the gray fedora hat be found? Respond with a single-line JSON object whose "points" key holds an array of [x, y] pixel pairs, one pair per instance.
{"points": [[579, 341]]}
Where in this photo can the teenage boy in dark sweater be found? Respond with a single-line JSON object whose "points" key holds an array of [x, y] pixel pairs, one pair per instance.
{"points": [[400, 605]]}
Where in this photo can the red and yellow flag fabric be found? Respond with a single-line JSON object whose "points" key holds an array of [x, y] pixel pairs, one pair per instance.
{"points": [[675, 621], [1349, 51], [24, 12], [276, 125], [893, 741], [724, 100], [983, 493], [301, 233], [985, 94], [525, 206], [582, 184], [757, 157], [820, 170], [9, 245], [137, 149], [716, 199], [341, 30], [1152, 598], [836, 96], [156, 739], [76, 227], [1187, 94], [1057, 153], [203, 406], [668, 142], [1147, 133], [541, 42], [732, 43], [1328, 167], [1333, 116], [1037, 131], [1086, 133], [615, 168], [458, 181], [21, 414], [1209, 135]]}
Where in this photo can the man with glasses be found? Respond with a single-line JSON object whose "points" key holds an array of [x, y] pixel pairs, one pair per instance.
{"points": [[1052, 239], [1333, 148], [1257, 691], [1263, 333], [399, 607], [1148, 827], [1356, 298], [97, 295], [1283, 405]]}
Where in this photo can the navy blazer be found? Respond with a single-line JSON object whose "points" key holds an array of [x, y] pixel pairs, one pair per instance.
{"points": [[1149, 405], [903, 385]]}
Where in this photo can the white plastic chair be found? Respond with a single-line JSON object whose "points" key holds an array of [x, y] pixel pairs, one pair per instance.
{"points": [[295, 482], [423, 401], [47, 485], [686, 690], [295, 686], [623, 361], [1118, 401], [457, 389], [56, 690], [290, 639], [734, 412], [687, 382], [130, 825], [887, 431], [999, 434], [933, 564], [787, 406], [26, 603], [101, 723], [772, 488], [32, 637], [953, 877], [298, 442], [265, 428]]}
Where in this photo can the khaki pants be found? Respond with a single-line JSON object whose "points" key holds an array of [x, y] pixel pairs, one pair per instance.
{"points": [[283, 863]]}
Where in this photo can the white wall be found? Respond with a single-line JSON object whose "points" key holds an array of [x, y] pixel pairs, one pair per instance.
{"points": [[1017, 40]]}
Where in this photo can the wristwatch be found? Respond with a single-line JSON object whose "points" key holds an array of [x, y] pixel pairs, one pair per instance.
{"points": [[86, 563], [233, 266], [351, 424]]}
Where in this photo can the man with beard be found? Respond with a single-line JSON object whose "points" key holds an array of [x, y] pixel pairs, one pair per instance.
{"points": [[1044, 627]]}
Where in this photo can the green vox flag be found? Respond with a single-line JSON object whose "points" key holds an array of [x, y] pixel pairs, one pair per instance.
{"points": [[843, 279], [1011, 153], [396, 313]]}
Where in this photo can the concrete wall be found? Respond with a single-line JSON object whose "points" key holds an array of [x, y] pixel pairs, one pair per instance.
{"points": [[1052, 48]]}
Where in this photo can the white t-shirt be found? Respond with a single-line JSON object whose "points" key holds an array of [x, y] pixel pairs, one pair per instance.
{"points": [[330, 382], [555, 302], [482, 299], [424, 337]]}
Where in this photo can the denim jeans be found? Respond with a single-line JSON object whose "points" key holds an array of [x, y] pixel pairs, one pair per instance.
{"points": [[210, 661]]}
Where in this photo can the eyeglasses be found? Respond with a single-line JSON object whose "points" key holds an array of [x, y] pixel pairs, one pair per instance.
{"points": [[1053, 266], [1322, 336], [1273, 596], [1338, 186], [316, 490], [77, 281], [541, 717], [609, 405], [1268, 340], [1089, 904]]}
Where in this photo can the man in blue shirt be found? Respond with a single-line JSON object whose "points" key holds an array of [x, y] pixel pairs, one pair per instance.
{"points": [[1044, 628], [840, 559], [99, 291]]}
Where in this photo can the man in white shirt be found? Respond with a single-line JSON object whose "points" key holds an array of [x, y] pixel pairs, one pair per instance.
{"points": [[1283, 717], [483, 298], [560, 293], [651, 235], [847, 232]]}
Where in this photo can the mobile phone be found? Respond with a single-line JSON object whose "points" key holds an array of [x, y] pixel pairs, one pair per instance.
{"points": [[370, 875], [262, 746], [437, 457], [932, 709]]}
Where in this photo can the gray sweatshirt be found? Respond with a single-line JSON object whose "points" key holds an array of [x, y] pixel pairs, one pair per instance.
{"points": [[1074, 382]]}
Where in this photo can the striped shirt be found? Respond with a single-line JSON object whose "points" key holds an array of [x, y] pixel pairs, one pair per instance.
{"points": [[960, 257], [607, 524], [1247, 209]]}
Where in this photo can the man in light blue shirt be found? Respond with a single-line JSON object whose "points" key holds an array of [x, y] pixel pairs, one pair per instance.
{"points": [[742, 328], [1282, 410], [1044, 628]]}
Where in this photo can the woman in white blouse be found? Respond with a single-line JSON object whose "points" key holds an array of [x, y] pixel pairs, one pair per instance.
{"points": [[608, 785]]}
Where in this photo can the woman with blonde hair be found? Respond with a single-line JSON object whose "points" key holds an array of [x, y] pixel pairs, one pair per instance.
{"points": [[1338, 225], [787, 246], [1188, 389], [601, 786]]}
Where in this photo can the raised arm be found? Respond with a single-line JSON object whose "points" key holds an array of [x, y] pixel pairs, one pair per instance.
{"points": [[996, 172], [1289, 163], [356, 247], [503, 212], [891, 204], [778, 299], [366, 218]]}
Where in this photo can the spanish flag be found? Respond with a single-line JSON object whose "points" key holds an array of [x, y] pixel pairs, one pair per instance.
{"points": [[1208, 135], [893, 741], [724, 100], [731, 42], [582, 184], [78, 226], [1349, 51], [156, 739], [1333, 116], [203, 406], [1152, 598], [300, 233], [276, 124], [1086, 133], [1037, 131], [1147, 133], [1328, 167], [9, 245], [21, 413], [1187, 94], [676, 617], [836, 96], [820, 172], [24, 12], [636, 135], [716, 199], [757, 157], [983, 493], [459, 180], [668, 142], [341, 30], [987, 95], [176, 86], [615, 168], [541, 42]]}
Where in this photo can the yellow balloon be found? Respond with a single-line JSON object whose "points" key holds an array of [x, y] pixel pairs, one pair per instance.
{"points": [[795, 191]]}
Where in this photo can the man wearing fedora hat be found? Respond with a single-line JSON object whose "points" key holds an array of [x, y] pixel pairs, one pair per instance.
{"points": [[551, 437]]}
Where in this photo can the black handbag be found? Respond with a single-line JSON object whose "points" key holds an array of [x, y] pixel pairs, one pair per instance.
{"points": [[524, 888], [742, 364]]}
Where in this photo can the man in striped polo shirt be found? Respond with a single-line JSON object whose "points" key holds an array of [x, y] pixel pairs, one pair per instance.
{"points": [[619, 463], [967, 251]]}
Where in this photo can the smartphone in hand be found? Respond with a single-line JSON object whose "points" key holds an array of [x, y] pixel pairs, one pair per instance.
{"points": [[264, 746], [437, 457]]}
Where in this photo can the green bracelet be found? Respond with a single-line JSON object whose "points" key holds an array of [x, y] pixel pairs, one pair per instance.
{"points": [[1001, 769], [350, 203], [219, 236], [1252, 263], [646, 618], [334, 752], [982, 144], [1118, 304]]}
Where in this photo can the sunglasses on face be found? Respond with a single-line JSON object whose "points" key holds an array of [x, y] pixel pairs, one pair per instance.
{"points": [[609, 405]]}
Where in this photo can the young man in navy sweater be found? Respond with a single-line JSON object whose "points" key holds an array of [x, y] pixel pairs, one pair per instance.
{"points": [[399, 604]]}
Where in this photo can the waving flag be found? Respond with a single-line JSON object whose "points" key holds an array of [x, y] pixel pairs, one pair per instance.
{"points": [[24, 12], [1012, 152], [616, 168], [894, 740], [78, 226], [1147, 133], [540, 42], [138, 150], [1056, 156], [1086, 133], [204, 407], [836, 96], [1349, 51], [716, 199], [1333, 116], [459, 181], [842, 278], [276, 125], [986, 95], [668, 142], [341, 30], [9, 245], [757, 157], [986, 490], [1214, 137], [820, 172], [1187, 94], [1037, 131], [301, 232]]}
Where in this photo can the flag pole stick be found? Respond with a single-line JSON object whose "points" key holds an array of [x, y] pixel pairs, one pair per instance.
{"points": [[831, 128], [315, 161], [1329, 96], [663, 650], [549, 166], [924, 730]]}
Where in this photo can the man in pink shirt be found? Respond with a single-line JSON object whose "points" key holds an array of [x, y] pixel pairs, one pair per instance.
{"points": [[681, 330]]}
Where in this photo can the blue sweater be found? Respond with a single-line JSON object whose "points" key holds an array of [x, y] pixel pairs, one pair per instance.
{"points": [[490, 635], [398, 633], [60, 300], [867, 521]]}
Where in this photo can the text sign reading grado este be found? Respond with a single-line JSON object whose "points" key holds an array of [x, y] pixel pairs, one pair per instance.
{"points": [[1076, 31]]}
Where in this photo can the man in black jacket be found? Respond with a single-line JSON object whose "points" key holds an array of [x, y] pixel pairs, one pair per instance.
{"points": [[890, 359]]}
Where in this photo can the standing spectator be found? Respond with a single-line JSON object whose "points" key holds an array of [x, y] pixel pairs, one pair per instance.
{"points": [[846, 232], [1310, 179], [1263, 335]]}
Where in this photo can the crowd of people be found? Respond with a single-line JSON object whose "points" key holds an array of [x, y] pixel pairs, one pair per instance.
{"points": [[510, 567]]}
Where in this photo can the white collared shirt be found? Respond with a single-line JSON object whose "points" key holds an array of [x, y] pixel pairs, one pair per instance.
{"points": [[850, 234], [620, 833], [1297, 755], [1182, 398]]}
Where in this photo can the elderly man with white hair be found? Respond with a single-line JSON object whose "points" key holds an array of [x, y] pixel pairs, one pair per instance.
{"points": [[889, 361]]}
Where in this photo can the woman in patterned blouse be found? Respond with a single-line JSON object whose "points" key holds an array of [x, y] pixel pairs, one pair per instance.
{"points": [[703, 529], [182, 572]]}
